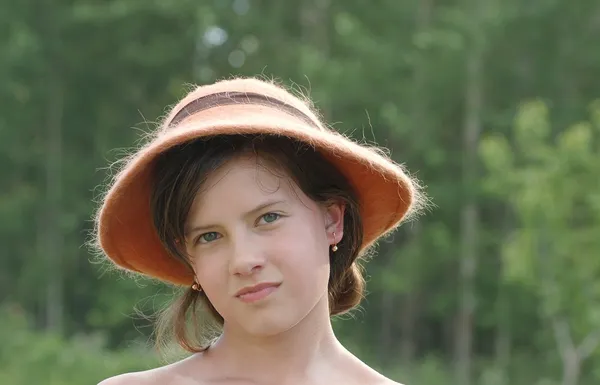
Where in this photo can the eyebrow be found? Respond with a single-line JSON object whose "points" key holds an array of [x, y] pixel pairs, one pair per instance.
{"points": [[258, 208]]}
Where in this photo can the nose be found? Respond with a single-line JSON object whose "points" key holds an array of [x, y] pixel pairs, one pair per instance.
{"points": [[247, 257]]}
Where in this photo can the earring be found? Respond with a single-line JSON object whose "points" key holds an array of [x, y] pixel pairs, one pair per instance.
{"points": [[196, 287], [334, 247]]}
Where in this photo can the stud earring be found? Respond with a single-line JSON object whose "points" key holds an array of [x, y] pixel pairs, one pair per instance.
{"points": [[196, 287]]}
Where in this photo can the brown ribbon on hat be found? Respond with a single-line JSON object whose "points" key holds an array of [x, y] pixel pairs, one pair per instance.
{"points": [[220, 99]]}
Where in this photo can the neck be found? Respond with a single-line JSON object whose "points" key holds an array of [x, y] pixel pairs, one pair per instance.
{"points": [[299, 353]]}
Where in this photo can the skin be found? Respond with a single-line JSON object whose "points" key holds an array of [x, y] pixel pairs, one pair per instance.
{"points": [[248, 226]]}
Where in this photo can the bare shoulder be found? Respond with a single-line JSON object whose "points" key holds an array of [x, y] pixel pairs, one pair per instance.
{"points": [[387, 381], [127, 378], [177, 373], [360, 373], [162, 375], [135, 378], [382, 380]]}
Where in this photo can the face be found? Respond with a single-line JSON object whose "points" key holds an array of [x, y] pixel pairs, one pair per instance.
{"points": [[251, 230]]}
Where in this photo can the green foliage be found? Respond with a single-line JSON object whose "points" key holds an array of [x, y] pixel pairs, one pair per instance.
{"points": [[30, 357], [100, 73], [551, 184]]}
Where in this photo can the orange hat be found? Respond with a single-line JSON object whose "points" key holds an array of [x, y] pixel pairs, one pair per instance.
{"points": [[125, 230]]}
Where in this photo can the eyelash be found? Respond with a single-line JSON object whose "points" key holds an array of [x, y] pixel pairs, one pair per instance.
{"points": [[199, 239]]}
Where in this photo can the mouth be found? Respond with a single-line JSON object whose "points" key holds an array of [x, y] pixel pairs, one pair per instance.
{"points": [[257, 292]]}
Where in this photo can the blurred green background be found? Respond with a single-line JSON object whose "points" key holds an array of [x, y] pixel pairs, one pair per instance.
{"points": [[494, 104]]}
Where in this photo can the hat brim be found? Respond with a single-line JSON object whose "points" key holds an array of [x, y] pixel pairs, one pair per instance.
{"points": [[125, 226]]}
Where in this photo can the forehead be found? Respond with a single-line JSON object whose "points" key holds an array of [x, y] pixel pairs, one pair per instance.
{"points": [[243, 182], [245, 171]]}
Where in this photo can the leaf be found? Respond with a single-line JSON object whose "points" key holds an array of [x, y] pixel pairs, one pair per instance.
{"points": [[519, 255], [532, 127], [594, 110], [576, 140], [496, 154]]}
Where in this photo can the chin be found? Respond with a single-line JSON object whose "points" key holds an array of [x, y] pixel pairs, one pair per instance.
{"points": [[264, 326]]}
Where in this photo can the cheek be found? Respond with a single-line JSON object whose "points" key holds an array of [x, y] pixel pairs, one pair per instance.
{"points": [[302, 256], [211, 274]]}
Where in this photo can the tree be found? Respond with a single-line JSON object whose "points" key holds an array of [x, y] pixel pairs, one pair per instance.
{"points": [[551, 184]]}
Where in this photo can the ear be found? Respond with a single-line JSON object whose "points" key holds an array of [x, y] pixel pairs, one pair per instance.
{"points": [[334, 221]]}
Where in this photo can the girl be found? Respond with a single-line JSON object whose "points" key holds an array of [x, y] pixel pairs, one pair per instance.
{"points": [[246, 198]]}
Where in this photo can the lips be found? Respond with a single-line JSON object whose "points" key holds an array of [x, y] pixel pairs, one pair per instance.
{"points": [[257, 292]]}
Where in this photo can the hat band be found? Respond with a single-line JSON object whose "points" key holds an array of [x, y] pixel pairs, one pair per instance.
{"points": [[220, 99]]}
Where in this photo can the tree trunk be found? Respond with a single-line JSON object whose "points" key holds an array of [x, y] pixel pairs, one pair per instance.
{"points": [[388, 298], [503, 311], [568, 353], [469, 211], [421, 100], [571, 370], [314, 21], [572, 356], [503, 331], [410, 310], [52, 236], [411, 299]]}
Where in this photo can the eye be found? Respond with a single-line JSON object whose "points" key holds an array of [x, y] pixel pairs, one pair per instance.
{"points": [[270, 217], [208, 237]]}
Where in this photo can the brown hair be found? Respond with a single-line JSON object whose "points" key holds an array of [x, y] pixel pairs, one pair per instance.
{"points": [[180, 172]]}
